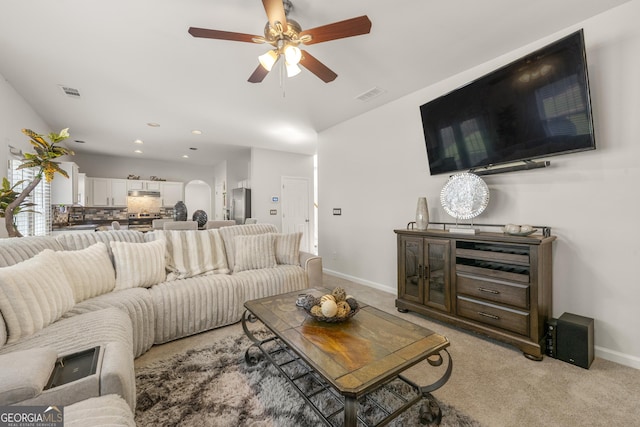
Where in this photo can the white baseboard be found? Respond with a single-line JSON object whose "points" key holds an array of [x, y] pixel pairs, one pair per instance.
{"points": [[616, 356], [360, 281], [601, 352]]}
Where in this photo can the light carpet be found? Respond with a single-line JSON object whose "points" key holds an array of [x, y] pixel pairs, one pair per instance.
{"points": [[214, 386]]}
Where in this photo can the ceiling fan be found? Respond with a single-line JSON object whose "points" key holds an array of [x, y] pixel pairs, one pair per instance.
{"points": [[285, 36]]}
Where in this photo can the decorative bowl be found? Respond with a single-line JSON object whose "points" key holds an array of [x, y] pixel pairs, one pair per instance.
{"points": [[520, 233], [334, 319], [311, 304]]}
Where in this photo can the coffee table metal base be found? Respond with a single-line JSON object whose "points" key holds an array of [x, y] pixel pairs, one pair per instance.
{"points": [[375, 409]]}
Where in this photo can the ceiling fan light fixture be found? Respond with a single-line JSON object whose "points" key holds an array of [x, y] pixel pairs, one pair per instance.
{"points": [[268, 59], [292, 69], [292, 54]]}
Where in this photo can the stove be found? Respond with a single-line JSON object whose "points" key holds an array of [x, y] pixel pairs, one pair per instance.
{"points": [[142, 220], [144, 215]]}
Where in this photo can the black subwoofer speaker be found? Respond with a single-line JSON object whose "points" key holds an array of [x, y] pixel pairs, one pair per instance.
{"points": [[574, 339]]}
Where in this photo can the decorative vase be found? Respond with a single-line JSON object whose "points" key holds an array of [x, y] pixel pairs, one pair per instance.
{"points": [[422, 214], [200, 217], [180, 211]]}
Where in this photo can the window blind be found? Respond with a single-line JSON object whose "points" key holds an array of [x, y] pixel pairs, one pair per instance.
{"points": [[36, 223]]}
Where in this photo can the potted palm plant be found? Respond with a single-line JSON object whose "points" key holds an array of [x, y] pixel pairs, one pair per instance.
{"points": [[43, 160], [8, 194]]}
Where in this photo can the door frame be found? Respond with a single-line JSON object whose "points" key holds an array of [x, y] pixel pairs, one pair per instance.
{"points": [[310, 211]]}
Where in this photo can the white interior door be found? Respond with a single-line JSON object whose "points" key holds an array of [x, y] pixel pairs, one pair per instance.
{"points": [[219, 202], [295, 208]]}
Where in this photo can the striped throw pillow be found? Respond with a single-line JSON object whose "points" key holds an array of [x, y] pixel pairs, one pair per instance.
{"points": [[193, 252], [254, 252], [89, 271], [138, 264], [33, 294], [288, 248]]}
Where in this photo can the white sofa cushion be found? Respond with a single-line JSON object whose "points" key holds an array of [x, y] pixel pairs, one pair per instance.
{"points": [[287, 248], [33, 294], [192, 253], [89, 271], [138, 264], [105, 411], [25, 374], [109, 328], [136, 302], [229, 233], [255, 252]]}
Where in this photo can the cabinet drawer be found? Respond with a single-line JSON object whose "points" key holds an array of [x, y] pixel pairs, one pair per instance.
{"points": [[514, 294], [498, 271], [501, 317], [521, 258]]}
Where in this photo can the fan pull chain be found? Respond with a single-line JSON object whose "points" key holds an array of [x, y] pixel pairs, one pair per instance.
{"points": [[283, 78]]}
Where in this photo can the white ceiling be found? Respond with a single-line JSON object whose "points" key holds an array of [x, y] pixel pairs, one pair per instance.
{"points": [[134, 63]]}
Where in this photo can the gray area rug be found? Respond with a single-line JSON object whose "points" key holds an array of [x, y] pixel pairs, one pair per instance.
{"points": [[214, 386]]}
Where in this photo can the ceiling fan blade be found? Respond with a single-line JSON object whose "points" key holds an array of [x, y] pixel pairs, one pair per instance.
{"points": [[275, 13], [339, 30], [222, 35], [258, 75], [309, 62]]}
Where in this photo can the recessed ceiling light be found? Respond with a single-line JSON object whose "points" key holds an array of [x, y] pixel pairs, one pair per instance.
{"points": [[184, 156], [138, 141], [138, 151], [79, 141], [153, 125], [196, 132], [193, 148]]}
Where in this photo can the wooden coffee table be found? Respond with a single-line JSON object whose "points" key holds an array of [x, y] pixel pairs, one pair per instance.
{"points": [[348, 372]]}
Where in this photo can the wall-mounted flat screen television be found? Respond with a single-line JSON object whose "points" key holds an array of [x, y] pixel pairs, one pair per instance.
{"points": [[537, 106]]}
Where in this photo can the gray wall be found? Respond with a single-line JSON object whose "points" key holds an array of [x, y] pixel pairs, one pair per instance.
{"points": [[16, 114], [374, 167]]}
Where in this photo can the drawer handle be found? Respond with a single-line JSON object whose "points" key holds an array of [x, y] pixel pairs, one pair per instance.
{"points": [[489, 291], [490, 316]]}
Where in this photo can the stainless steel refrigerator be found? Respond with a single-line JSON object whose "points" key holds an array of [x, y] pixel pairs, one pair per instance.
{"points": [[240, 204]]}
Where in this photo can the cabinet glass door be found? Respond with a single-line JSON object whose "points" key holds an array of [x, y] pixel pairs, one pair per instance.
{"points": [[436, 274], [411, 269]]}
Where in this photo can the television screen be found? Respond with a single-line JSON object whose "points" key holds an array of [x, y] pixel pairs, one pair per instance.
{"points": [[537, 106]]}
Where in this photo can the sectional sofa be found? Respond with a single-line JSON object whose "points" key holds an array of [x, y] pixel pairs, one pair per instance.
{"points": [[124, 291]]}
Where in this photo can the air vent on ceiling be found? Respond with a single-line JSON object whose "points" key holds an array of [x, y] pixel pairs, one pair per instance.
{"points": [[69, 91], [370, 94]]}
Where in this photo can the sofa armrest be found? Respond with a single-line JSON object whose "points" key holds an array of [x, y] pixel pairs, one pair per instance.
{"points": [[312, 264], [24, 374]]}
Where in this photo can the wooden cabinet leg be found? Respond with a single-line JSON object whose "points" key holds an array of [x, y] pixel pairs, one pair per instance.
{"points": [[533, 357]]}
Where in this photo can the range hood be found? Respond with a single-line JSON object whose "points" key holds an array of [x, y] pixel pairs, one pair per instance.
{"points": [[143, 193]]}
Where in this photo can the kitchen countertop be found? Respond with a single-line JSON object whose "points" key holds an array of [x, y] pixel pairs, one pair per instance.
{"points": [[89, 225]]}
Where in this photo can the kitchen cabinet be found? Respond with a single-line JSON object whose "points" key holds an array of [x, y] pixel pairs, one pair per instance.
{"points": [[107, 192], [64, 191], [82, 192], [171, 192], [138, 184]]}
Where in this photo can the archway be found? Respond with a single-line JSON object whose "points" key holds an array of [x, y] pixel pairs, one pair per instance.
{"points": [[197, 196]]}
